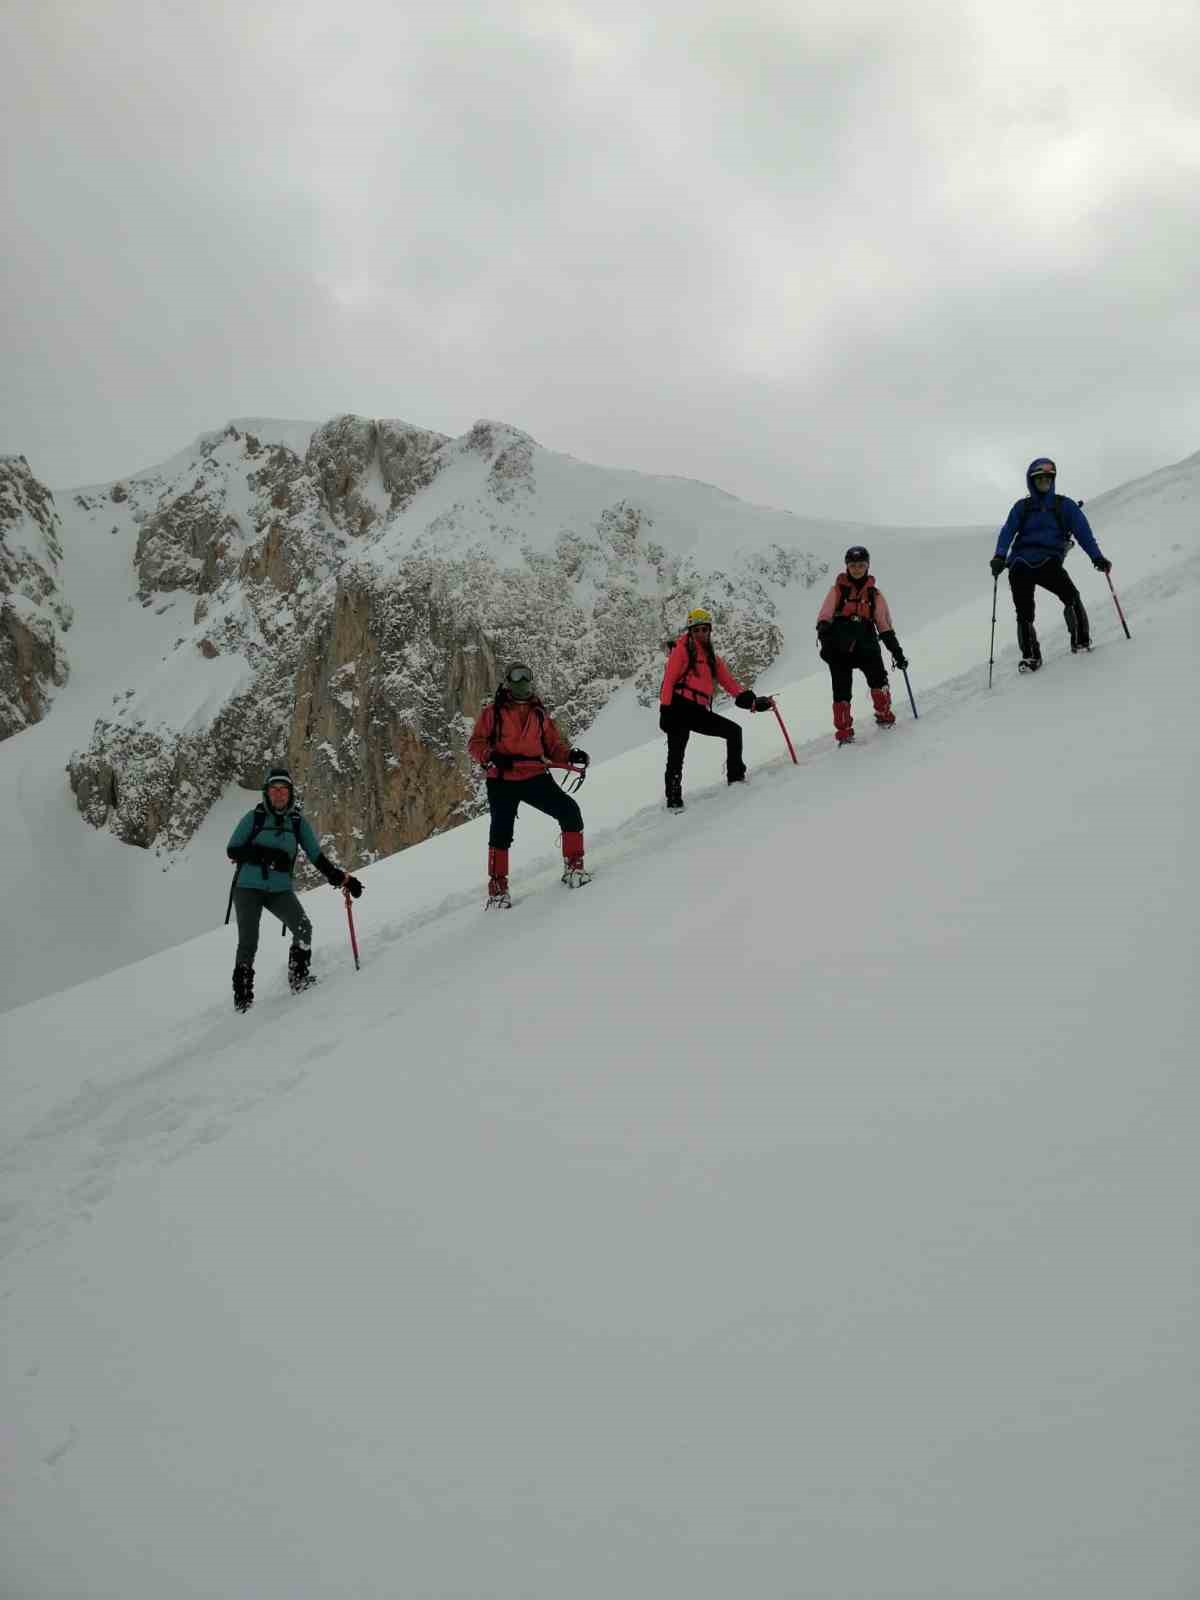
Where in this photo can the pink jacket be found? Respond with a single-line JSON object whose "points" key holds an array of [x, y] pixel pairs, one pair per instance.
{"points": [[860, 602], [694, 682]]}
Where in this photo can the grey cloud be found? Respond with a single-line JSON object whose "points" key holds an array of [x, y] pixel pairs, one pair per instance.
{"points": [[859, 259]]}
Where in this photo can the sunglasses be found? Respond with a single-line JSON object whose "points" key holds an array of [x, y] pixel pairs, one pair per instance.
{"points": [[701, 627]]}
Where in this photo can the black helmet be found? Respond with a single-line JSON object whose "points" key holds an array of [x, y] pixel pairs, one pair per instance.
{"points": [[518, 680], [858, 552]]}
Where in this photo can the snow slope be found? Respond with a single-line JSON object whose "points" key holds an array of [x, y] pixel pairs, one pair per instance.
{"points": [[805, 1208]]}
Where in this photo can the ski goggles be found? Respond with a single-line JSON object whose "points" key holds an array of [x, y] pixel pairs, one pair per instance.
{"points": [[1043, 469], [519, 674]]}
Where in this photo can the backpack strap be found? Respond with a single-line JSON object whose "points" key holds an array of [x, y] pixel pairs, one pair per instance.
{"points": [[840, 603], [260, 822], [1060, 516]]}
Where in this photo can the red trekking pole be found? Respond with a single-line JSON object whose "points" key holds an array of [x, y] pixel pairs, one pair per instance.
{"points": [[350, 920], [784, 731], [1117, 603]]}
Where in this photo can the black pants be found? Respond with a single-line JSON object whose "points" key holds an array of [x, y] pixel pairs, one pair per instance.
{"points": [[688, 717], [1023, 580], [542, 793], [250, 905], [841, 670]]}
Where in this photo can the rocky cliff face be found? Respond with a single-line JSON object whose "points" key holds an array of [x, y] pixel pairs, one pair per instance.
{"points": [[33, 613], [357, 594]]}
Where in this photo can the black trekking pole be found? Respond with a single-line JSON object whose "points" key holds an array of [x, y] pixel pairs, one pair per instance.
{"points": [[908, 686], [992, 646], [232, 887], [1117, 603]]}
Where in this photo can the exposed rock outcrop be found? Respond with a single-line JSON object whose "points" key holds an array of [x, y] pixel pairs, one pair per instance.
{"points": [[33, 613], [357, 595]]}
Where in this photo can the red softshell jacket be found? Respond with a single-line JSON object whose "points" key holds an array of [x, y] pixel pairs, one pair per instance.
{"points": [[525, 732], [694, 682]]}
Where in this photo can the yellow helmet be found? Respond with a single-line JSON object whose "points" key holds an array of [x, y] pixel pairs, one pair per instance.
{"points": [[698, 616]]}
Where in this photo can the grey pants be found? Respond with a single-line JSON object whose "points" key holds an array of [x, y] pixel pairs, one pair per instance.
{"points": [[250, 905]]}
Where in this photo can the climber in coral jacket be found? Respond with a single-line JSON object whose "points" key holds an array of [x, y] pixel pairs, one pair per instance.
{"points": [[852, 623], [514, 740], [694, 670]]}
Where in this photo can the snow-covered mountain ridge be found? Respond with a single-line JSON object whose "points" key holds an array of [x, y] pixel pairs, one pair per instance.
{"points": [[359, 584]]}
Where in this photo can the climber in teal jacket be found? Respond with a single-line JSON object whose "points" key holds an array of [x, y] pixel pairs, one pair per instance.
{"points": [[265, 845]]}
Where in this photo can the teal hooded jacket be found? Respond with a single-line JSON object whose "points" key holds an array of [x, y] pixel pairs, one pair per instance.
{"points": [[275, 845]]}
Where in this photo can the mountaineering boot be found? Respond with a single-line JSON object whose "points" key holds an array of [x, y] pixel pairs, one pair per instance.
{"points": [[243, 988], [575, 874], [299, 977], [674, 794], [843, 722], [498, 898], [1031, 650], [1078, 626], [884, 715]]}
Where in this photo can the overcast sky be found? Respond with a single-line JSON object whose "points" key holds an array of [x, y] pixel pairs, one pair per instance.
{"points": [[856, 258]]}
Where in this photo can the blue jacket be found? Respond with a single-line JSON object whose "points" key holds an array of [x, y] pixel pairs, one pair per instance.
{"points": [[277, 833], [1041, 539]]}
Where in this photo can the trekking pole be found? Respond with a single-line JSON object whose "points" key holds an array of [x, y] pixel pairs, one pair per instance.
{"points": [[784, 731], [908, 686], [350, 920], [991, 647], [232, 887], [1117, 603]]}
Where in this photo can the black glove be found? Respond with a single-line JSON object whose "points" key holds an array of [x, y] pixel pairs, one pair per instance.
{"points": [[889, 638], [763, 702], [745, 700], [578, 758], [1101, 564], [997, 564], [353, 885], [666, 719], [500, 761]]}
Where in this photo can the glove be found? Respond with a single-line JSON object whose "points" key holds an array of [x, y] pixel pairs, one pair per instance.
{"points": [[763, 702], [578, 758], [823, 630], [666, 719], [889, 638], [352, 884], [745, 700], [501, 762], [997, 564], [1102, 564]]}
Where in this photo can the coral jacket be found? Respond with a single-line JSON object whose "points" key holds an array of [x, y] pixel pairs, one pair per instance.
{"points": [[694, 682], [525, 732], [857, 605]]}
